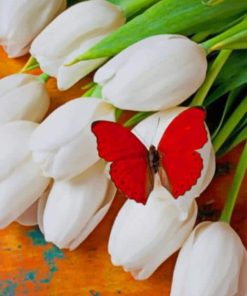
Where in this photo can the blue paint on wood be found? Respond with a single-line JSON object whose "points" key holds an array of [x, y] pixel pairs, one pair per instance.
{"points": [[50, 257], [30, 276], [36, 237], [7, 288]]}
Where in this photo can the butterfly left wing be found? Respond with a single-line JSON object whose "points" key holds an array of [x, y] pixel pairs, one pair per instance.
{"points": [[178, 149], [130, 169]]}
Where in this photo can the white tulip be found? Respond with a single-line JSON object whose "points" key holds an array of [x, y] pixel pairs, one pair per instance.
{"points": [[143, 237], [63, 145], [31, 216], [154, 74], [22, 20], [22, 97], [75, 207], [72, 33], [213, 261], [21, 180]]}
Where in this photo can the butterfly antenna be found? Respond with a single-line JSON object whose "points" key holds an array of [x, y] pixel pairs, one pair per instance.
{"points": [[155, 131]]}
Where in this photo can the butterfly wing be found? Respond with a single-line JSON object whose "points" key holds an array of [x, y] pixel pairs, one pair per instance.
{"points": [[130, 169], [178, 145]]}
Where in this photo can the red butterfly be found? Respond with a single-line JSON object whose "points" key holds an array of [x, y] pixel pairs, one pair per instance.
{"points": [[176, 159]]}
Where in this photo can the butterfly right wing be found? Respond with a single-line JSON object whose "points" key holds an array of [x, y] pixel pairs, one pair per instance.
{"points": [[130, 169]]}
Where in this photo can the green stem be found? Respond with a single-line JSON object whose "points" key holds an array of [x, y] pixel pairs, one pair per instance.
{"points": [[118, 113], [236, 184], [94, 92], [231, 123], [44, 77], [211, 76], [137, 118], [132, 7], [229, 36], [200, 36], [31, 64]]}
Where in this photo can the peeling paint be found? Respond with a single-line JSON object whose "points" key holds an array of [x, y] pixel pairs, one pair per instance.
{"points": [[50, 257], [36, 237], [7, 288]]}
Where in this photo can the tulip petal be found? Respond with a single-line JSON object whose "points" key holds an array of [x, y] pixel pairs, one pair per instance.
{"points": [[204, 262], [18, 29], [68, 76], [29, 217], [96, 218], [64, 145], [242, 289], [21, 181], [71, 204], [22, 97]]}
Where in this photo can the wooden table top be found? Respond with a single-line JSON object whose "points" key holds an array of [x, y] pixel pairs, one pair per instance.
{"points": [[30, 266]]}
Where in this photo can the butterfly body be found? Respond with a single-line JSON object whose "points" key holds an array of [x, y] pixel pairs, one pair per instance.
{"points": [[175, 159], [154, 159]]}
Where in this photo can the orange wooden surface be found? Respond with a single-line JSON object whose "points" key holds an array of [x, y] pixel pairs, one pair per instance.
{"points": [[29, 266]]}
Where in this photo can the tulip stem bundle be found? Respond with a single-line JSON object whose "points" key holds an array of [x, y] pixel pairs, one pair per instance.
{"points": [[211, 76], [232, 38], [234, 190], [231, 123]]}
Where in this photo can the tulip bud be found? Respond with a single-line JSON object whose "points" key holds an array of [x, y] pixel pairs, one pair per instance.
{"points": [[63, 145], [213, 261], [22, 97], [143, 237], [21, 180], [75, 207], [22, 20], [76, 30], [156, 73]]}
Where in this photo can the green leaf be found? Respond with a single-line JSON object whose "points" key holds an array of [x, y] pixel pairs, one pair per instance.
{"points": [[138, 117], [31, 64], [133, 7], [229, 102], [94, 92], [185, 17], [238, 115], [233, 141], [232, 75]]}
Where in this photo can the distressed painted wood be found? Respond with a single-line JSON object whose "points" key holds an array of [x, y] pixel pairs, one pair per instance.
{"points": [[30, 266]]}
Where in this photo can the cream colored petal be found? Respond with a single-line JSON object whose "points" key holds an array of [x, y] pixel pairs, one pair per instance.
{"points": [[204, 262], [68, 76], [18, 29], [96, 218], [71, 204], [29, 217]]}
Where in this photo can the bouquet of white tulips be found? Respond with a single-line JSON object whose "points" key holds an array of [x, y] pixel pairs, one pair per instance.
{"points": [[180, 65]]}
